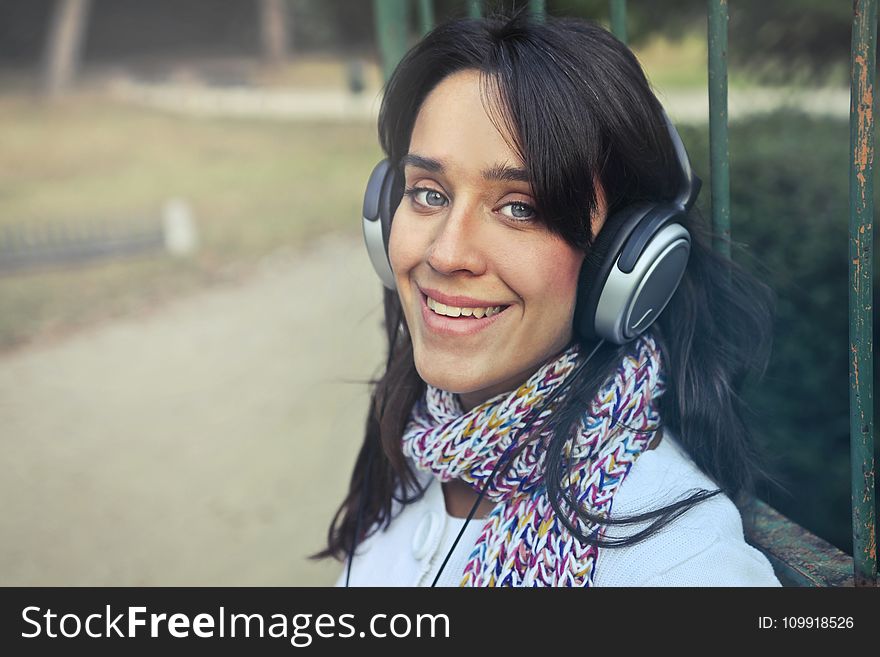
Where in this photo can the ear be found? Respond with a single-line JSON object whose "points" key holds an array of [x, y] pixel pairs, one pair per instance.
{"points": [[600, 214]]}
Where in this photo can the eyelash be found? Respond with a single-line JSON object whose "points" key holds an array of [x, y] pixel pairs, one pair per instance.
{"points": [[411, 193]]}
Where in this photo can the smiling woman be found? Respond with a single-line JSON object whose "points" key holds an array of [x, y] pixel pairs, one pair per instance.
{"points": [[565, 350]]}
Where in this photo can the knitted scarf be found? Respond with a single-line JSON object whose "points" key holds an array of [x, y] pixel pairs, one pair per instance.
{"points": [[523, 542]]}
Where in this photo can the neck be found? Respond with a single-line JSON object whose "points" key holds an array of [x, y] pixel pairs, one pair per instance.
{"points": [[460, 498], [470, 400]]}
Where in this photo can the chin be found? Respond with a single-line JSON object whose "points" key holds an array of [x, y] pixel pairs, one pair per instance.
{"points": [[449, 381], [451, 378]]}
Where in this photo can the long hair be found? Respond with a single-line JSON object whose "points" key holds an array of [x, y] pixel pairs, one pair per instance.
{"points": [[577, 104]]}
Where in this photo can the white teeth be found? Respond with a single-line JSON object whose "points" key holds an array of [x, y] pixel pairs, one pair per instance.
{"points": [[454, 311]]}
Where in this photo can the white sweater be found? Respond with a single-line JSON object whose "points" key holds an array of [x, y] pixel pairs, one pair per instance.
{"points": [[703, 547]]}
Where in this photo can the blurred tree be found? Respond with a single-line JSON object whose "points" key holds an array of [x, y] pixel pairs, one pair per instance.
{"points": [[64, 44], [331, 25], [23, 31], [274, 29], [133, 29], [773, 39]]}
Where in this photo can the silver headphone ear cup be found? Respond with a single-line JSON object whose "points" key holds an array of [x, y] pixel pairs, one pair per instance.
{"points": [[631, 301], [379, 197], [616, 303], [378, 254], [601, 257]]}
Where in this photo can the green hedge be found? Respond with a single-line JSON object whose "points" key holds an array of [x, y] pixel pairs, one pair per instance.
{"points": [[789, 217]]}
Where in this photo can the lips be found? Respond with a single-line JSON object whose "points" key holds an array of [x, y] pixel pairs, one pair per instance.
{"points": [[463, 325], [458, 300]]}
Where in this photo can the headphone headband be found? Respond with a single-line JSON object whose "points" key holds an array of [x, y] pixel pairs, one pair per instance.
{"points": [[691, 184]]}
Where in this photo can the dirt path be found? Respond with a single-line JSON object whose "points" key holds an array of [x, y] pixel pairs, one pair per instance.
{"points": [[206, 444]]}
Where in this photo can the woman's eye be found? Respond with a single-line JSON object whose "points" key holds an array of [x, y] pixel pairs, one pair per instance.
{"points": [[425, 196], [519, 211]]}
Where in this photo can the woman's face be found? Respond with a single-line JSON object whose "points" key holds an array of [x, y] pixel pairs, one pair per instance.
{"points": [[487, 290]]}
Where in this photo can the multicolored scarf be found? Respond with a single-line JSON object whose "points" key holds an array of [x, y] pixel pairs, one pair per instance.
{"points": [[523, 542]]}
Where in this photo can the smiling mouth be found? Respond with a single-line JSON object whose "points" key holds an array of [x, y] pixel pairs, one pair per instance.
{"points": [[461, 312]]}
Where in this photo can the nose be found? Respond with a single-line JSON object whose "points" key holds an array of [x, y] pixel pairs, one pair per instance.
{"points": [[457, 246]]}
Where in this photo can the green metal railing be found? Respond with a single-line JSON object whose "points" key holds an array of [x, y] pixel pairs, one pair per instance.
{"points": [[719, 153], [426, 16], [618, 19], [392, 20], [799, 557]]}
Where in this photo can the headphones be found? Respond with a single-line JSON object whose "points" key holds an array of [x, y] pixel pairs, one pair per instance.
{"points": [[639, 255]]}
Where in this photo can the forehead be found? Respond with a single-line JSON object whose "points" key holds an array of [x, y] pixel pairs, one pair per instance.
{"points": [[454, 125]]}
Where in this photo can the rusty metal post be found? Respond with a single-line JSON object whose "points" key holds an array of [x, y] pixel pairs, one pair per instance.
{"points": [[719, 154], [861, 270], [618, 19]]}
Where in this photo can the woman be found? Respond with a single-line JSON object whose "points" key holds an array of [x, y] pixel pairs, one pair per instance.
{"points": [[527, 431]]}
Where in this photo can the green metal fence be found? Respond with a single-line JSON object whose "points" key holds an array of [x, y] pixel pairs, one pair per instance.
{"points": [[861, 274], [799, 557]]}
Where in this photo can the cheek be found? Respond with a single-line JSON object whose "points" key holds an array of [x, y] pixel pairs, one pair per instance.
{"points": [[553, 286], [561, 296], [563, 283], [570, 270], [400, 247]]}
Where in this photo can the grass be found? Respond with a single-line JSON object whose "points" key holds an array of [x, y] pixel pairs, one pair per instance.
{"points": [[681, 64], [317, 71], [677, 64], [254, 187]]}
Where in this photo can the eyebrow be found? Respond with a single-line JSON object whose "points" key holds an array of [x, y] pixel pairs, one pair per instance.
{"points": [[500, 172]]}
